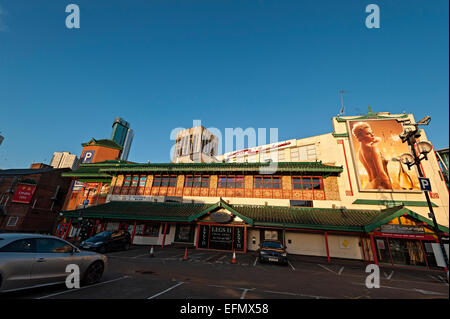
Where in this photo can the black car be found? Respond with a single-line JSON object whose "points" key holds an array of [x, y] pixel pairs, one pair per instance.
{"points": [[108, 241], [272, 251]]}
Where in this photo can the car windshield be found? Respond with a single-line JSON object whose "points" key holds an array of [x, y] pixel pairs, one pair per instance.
{"points": [[100, 236], [271, 244]]}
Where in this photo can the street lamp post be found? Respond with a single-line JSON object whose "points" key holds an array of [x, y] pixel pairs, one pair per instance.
{"points": [[410, 136]]}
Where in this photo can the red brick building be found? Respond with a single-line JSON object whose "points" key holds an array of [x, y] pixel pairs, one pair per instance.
{"points": [[31, 199]]}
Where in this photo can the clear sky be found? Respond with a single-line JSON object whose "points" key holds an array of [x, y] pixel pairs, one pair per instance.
{"points": [[160, 64]]}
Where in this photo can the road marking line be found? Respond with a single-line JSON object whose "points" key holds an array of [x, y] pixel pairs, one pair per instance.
{"points": [[340, 271], [141, 255], [256, 260], [217, 286], [211, 257], [221, 258], [327, 268], [162, 292], [100, 283], [443, 281], [294, 294], [291, 265], [388, 277], [424, 292], [245, 292]]}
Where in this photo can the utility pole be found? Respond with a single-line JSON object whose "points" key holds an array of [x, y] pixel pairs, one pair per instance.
{"points": [[410, 136]]}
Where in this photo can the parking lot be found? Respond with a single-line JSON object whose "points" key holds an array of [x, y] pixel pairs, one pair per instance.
{"points": [[135, 274]]}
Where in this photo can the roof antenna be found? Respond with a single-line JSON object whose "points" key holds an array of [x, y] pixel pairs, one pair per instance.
{"points": [[341, 92]]}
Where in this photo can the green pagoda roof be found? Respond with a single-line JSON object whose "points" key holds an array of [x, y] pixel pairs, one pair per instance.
{"points": [[297, 167], [103, 142], [350, 220]]}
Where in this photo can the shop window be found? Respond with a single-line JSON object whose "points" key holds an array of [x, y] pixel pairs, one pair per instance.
{"points": [[135, 181], [184, 233], [307, 183], [142, 181], [151, 230], [139, 230], [165, 181], [167, 229], [270, 235], [267, 182], [127, 181], [189, 181], [112, 227], [236, 182], [205, 181]]}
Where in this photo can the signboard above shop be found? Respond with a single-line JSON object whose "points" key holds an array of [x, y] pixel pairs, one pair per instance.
{"points": [[402, 229]]}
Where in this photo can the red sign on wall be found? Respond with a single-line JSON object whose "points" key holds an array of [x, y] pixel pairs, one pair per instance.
{"points": [[24, 193]]}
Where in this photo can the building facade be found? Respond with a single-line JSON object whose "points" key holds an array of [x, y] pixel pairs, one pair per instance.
{"points": [[31, 199], [64, 160], [318, 198], [195, 145], [123, 136]]}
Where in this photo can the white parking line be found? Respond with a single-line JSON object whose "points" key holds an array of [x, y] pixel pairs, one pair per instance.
{"points": [[245, 292], [78, 289], [439, 279], [221, 257], [256, 260], [148, 254], [291, 265], [327, 268], [294, 294], [424, 292], [162, 292], [388, 277]]}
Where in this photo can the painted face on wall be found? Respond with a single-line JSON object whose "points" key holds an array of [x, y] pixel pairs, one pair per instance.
{"points": [[366, 135]]}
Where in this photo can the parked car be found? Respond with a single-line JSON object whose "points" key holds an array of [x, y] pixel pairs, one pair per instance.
{"points": [[108, 241], [272, 251], [33, 260]]}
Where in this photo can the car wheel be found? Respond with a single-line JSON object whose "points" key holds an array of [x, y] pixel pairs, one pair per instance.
{"points": [[94, 273], [126, 246]]}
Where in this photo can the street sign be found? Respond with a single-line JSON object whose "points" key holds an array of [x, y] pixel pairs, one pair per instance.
{"points": [[425, 184]]}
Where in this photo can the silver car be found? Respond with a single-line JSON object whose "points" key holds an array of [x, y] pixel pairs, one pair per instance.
{"points": [[33, 260]]}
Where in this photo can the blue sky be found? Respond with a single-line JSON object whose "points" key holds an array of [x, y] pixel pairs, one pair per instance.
{"points": [[160, 64]]}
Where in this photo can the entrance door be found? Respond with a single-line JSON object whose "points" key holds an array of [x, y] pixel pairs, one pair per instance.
{"points": [[407, 252], [184, 233], [383, 250]]}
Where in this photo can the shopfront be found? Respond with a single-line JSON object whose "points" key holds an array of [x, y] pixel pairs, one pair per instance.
{"points": [[409, 246], [221, 237]]}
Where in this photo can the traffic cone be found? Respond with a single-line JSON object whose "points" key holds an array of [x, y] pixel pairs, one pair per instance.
{"points": [[233, 261], [185, 254], [151, 252]]}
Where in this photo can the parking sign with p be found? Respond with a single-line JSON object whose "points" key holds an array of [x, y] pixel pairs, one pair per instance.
{"points": [[425, 184], [87, 157]]}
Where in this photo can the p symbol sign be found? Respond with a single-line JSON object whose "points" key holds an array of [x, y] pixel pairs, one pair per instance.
{"points": [[88, 156], [425, 184]]}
